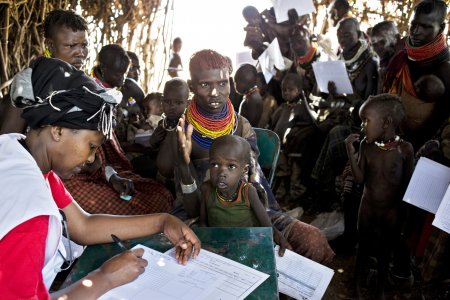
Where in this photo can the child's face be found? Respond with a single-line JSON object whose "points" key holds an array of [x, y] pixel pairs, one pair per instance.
{"points": [[153, 107], [174, 103], [226, 169], [135, 118], [211, 89], [372, 124], [290, 91]]}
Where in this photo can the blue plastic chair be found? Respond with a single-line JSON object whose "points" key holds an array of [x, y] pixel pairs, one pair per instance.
{"points": [[269, 150]]}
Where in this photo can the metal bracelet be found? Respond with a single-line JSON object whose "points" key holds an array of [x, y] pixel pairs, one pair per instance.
{"points": [[109, 171], [188, 188]]}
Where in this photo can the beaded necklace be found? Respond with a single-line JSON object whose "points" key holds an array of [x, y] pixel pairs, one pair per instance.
{"points": [[223, 199], [251, 91], [169, 127], [208, 126], [302, 60], [424, 52], [386, 145]]}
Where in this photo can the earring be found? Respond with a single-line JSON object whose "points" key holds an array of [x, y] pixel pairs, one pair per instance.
{"points": [[47, 52]]}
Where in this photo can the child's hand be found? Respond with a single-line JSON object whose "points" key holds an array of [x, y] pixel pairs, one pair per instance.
{"points": [[184, 140], [281, 241], [349, 144], [122, 185]]}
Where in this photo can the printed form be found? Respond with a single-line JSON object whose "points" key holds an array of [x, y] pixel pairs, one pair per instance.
{"points": [[209, 276], [428, 185], [442, 218], [300, 277]]}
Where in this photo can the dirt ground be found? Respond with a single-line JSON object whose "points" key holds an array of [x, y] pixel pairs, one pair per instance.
{"points": [[341, 286], [343, 264]]}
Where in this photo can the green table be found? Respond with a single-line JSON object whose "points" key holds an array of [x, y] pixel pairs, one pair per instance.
{"points": [[252, 246]]}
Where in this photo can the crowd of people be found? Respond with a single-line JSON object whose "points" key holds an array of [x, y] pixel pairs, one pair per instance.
{"points": [[93, 148], [356, 152]]}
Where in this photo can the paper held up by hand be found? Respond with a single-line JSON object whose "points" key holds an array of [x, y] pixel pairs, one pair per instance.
{"points": [[281, 8], [270, 59], [244, 57], [335, 71]]}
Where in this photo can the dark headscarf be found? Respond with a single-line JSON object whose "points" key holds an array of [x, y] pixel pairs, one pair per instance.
{"points": [[52, 92]]}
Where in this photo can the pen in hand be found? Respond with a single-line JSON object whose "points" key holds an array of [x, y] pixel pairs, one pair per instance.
{"points": [[119, 242]]}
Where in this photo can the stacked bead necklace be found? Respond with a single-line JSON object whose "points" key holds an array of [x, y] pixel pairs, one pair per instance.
{"points": [[388, 144], [208, 126]]}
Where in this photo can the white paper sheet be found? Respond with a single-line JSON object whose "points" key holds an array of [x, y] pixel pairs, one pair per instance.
{"points": [[240, 279], [442, 218], [244, 57], [333, 70], [428, 185], [300, 277], [281, 8], [209, 276], [271, 58]]}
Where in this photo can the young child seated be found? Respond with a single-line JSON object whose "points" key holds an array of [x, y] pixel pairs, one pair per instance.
{"points": [[137, 125], [294, 112], [142, 121], [245, 81], [384, 165], [227, 198], [269, 102], [152, 108], [429, 88]]}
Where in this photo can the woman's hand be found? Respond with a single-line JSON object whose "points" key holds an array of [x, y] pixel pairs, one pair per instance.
{"points": [[184, 141], [122, 185], [182, 237], [124, 268], [281, 241]]}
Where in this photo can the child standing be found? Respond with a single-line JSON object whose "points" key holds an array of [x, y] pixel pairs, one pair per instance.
{"points": [[384, 165]]}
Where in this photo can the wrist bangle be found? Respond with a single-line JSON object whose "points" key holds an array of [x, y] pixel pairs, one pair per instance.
{"points": [[109, 171], [188, 188]]}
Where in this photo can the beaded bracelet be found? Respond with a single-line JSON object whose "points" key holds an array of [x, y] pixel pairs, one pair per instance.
{"points": [[188, 188]]}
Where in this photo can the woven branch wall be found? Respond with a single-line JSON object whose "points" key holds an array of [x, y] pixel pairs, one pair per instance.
{"points": [[140, 26]]}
